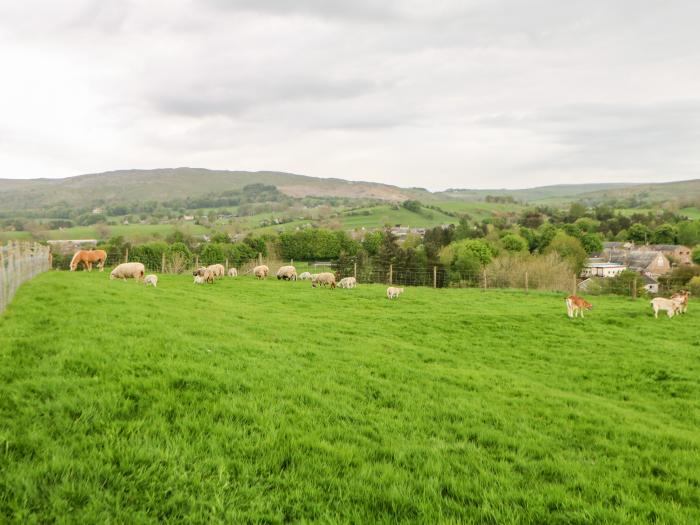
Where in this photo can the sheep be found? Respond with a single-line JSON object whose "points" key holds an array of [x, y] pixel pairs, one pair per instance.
{"points": [[347, 282], [198, 279], [661, 303], [217, 270], [306, 276], [151, 280], [322, 279], [205, 273], [288, 273], [393, 293], [261, 271], [135, 270], [232, 272]]}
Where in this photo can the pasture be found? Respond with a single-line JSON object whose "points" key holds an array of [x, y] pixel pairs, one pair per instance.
{"points": [[271, 401]]}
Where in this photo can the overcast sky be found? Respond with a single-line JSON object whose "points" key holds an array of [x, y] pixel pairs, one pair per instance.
{"points": [[431, 93]]}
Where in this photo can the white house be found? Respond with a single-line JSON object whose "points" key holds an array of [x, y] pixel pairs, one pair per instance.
{"points": [[595, 268]]}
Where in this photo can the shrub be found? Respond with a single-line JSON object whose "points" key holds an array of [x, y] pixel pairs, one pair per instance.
{"points": [[150, 254], [694, 286], [544, 272], [569, 249]]}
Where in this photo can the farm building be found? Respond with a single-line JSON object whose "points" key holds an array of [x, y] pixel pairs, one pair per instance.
{"points": [[653, 263], [599, 268], [676, 252]]}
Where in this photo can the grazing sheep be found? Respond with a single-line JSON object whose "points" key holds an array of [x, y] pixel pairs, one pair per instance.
{"points": [[323, 279], [306, 276], [198, 279], [681, 299], [217, 270], [151, 280], [661, 303], [261, 271], [288, 273], [393, 293], [125, 271], [205, 273], [347, 282], [232, 272]]}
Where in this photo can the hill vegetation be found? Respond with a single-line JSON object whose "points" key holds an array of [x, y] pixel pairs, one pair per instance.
{"points": [[274, 402]]}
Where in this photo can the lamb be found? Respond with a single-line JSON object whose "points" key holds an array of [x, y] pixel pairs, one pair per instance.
{"points": [[205, 273], [347, 282], [198, 279], [323, 279], [261, 271], [306, 276], [288, 273], [151, 280], [661, 303], [393, 293], [217, 270], [681, 299], [132, 270], [232, 272]]}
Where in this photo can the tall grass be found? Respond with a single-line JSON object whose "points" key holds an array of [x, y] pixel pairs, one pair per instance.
{"points": [[271, 402]]}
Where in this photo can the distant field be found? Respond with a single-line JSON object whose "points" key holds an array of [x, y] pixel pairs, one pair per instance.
{"points": [[692, 213], [274, 402], [380, 216], [131, 232], [480, 210]]}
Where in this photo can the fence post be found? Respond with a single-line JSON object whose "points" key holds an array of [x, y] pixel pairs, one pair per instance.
{"points": [[575, 286], [434, 276], [527, 284], [354, 270], [634, 288], [259, 258], [391, 274], [126, 255], [227, 266], [196, 261], [162, 263]]}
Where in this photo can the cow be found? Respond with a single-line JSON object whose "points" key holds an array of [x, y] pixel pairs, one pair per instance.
{"points": [[576, 304]]}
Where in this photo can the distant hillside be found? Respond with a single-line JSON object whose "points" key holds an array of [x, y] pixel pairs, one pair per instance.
{"points": [[128, 186], [118, 187]]}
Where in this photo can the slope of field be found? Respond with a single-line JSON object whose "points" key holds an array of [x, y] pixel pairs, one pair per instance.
{"points": [[125, 186], [271, 402], [656, 192], [539, 194], [131, 232]]}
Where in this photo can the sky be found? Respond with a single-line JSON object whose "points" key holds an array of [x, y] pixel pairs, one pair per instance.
{"points": [[429, 93]]}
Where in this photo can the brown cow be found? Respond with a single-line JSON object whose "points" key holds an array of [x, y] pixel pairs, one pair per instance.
{"points": [[576, 304]]}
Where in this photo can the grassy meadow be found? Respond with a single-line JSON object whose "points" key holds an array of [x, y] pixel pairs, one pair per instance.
{"points": [[271, 402]]}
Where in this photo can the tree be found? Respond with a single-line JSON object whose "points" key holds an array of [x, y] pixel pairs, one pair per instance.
{"points": [[576, 211], [665, 234], [514, 243], [689, 233], [639, 233], [568, 248], [592, 243], [696, 255], [412, 205]]}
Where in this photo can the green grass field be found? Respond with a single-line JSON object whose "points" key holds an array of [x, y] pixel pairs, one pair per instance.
{"points": [[131, 232], [271, 402]]}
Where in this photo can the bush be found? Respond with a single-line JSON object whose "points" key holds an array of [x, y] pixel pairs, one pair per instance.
{"points": [[694, 286], [150, 254], [514, 243], [544, 272], [569, 249]]}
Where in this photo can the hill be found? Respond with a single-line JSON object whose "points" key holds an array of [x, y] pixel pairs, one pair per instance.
{"points": [[274, 402], [559, 192], [657, 192], [124, 186]]}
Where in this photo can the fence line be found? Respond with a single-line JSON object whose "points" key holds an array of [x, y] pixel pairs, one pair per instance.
{"points": [[19, 262]]}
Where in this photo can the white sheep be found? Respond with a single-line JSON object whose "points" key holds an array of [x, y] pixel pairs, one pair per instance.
{"points": [[306, 276], [393, 293], [217, 270], [288, 273], [151, 280], [347, 282], [323, 279], [232, 272], [135, 270], [261, 271], [205, 273], [198, 279]]}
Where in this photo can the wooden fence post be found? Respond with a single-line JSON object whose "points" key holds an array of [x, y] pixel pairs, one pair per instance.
{"points": [[354, 270], [391, 274], [162, 263], [434, 276], [259, 258], [485, 283], [575, 286], [226, 266], [196, 262], [634, 288], [126, 255], [527, 284]]}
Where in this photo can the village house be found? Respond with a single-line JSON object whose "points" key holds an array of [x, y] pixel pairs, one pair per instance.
{"points": [[653, 263], [677, 253], [599, 268]]}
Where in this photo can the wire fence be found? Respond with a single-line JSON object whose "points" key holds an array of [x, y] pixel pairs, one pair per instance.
{"points": [[372, 271], [20, 262]]}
